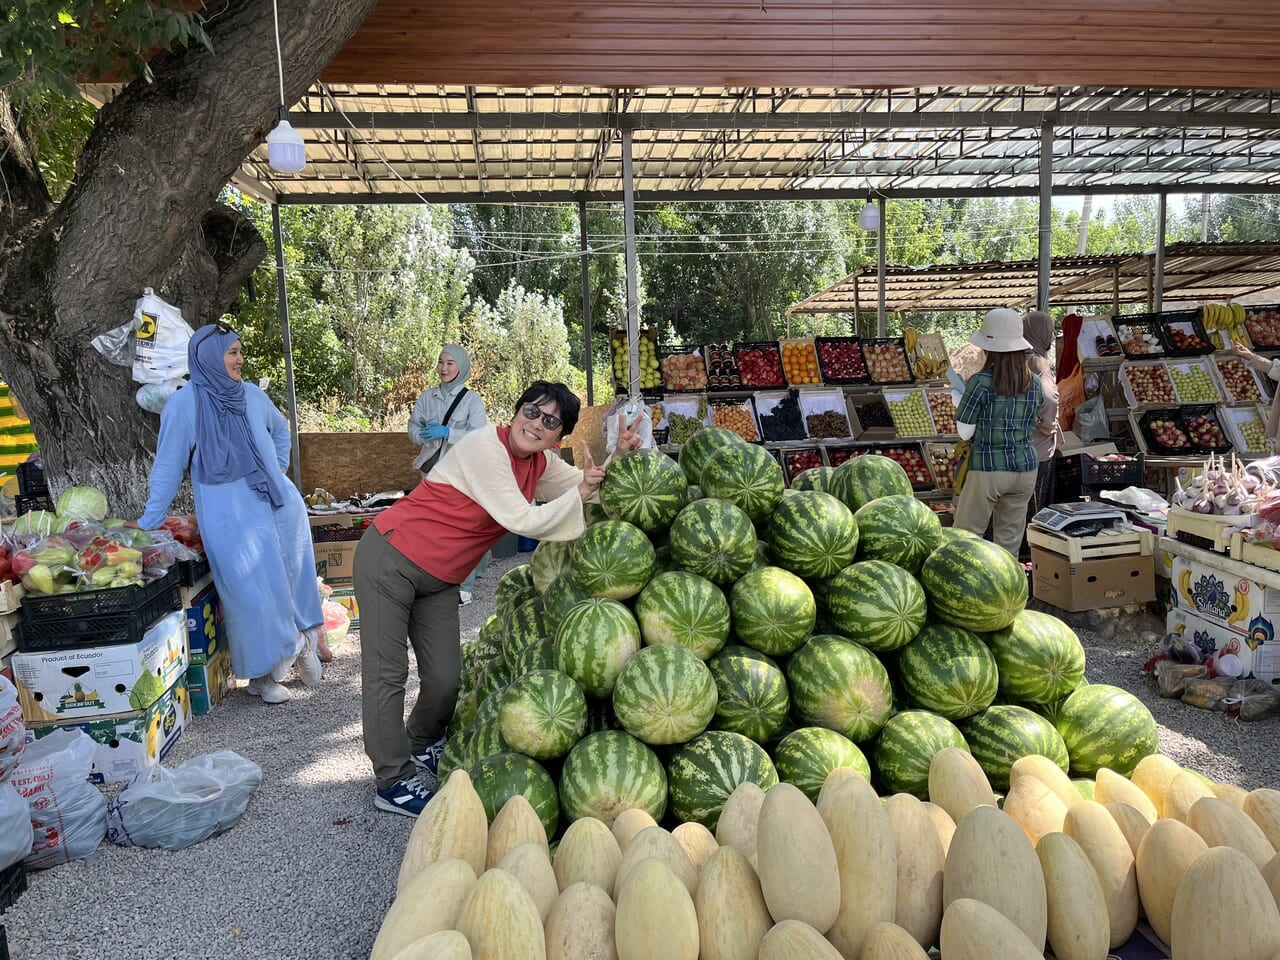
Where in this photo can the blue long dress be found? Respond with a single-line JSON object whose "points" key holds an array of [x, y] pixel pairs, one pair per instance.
{"points": [[262, 559]]}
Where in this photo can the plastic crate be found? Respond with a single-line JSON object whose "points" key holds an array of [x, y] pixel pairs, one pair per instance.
{"points": [[1139, 336], [942, 460], [13, 884], [1262, 322], [336, 533], [190, 572], [23, 504], [1079, 473], [893, 451], [762, 376], [804, 371], [1189, 413], [31, 482], [1188, 323], [886, 345], [796, 460], [841, 353], [618, 346], [687, 360], [836, 455], [722, 366], [96, 617]]}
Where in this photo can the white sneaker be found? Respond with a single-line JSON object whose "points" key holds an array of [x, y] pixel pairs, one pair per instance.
{"points": [[463, 598], [310, 669], [269, 690]]}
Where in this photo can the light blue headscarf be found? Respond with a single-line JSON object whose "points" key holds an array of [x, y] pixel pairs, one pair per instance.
{"points": [[223, 436], [463, 361]]}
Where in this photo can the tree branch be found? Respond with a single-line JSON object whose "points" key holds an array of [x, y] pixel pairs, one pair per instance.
{"points": [[24, 198]]}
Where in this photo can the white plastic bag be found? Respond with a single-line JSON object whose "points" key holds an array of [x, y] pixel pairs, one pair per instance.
{"points": [[13, 732], [15, 827], [161, 335], [173, 809], [68, 813]]}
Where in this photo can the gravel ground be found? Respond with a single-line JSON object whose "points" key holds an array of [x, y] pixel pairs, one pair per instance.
{"points": [[311, 868]]}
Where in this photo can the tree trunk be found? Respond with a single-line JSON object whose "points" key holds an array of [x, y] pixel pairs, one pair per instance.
{"points": [[143, 212]]}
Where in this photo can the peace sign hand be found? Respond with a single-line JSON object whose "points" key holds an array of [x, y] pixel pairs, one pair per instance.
{"points": [[592, 476]]}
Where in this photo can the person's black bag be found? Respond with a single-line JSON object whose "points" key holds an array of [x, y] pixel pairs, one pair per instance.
{"points": [[431, 460]]}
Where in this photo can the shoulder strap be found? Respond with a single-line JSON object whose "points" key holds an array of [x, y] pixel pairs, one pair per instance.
{"points": [[457, 398]]}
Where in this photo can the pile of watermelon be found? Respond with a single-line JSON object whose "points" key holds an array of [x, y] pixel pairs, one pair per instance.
{"points": [[710, 628]]}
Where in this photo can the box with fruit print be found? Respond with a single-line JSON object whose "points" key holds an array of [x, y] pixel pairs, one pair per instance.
{"points": [[738, 416], [1247, 429], [1147, 381], [1214, 642], [759, 365], [796, 460], [869, 418], [800, 362], [826, 415], [683, 369], [887, 360], [1195, 381], [1240, 597], [840, 360], [911, 457], [910, 412], [1184, 335], [1263, 326], [778, 412], [1241, 382], [1179, 431]]}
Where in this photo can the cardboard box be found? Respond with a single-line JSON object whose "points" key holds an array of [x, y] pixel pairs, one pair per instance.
{"points": [[1071, 444], [206, 630], [1238, 596], [131, 742], [336, 561], [209, 683], [8, 632], [188, 594], [1092, 584], [55, 685], [1258, 658]]}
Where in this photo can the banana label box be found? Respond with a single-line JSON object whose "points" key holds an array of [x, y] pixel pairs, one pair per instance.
{"points": [[118, 678], [1229, 593], [1213, 640], [130, 743], [210, 682]]}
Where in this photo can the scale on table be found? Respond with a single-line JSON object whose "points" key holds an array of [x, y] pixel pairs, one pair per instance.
{"points": [[1085, 517]]}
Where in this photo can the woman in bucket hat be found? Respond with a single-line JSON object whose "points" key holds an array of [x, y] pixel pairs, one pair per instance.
{"points": [[999, 414]]}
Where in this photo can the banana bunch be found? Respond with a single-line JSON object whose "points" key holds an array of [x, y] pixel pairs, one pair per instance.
{"points": [[926, 367], [1239, 607], [1228, 317]]}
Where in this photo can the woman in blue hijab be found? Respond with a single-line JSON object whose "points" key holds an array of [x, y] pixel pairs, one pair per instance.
{"points": [[252, 519]]}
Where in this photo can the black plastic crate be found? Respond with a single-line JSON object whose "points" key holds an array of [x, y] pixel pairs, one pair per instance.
{"points": [[191, 572], [1076, 474], [851, 348], [916, 446], [31, 481], [96, 617], [13, 884], [901, 346], [794, 460], [336, 533], [722, 366], [1145, 323], [774, 378], [698, 371], [24, 504], [1189, 413], [1188, 321]]}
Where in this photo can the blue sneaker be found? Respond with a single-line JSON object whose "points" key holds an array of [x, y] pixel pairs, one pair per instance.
{"points": [[407, 797], [429, 757]]}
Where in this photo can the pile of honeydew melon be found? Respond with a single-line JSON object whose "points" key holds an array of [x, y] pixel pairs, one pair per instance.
{"points": [[855, 876]]}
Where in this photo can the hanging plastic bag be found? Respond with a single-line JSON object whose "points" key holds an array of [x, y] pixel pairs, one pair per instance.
{"points": [[13, 732], [637, 417], [161, 335], [1091, 421], [15, 827], [173, 809], [68, 813], [152, 397]]}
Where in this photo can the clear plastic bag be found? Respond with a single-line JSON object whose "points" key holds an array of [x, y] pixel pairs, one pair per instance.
{"points": [[15, 827], [1091, 421], [68, 813], [173, 809], [1172, 678], [1253, 700], [13, 732], [1208, 694]]}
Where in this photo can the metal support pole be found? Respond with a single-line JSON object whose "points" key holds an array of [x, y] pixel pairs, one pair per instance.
{"points": [[1162, 210], [633, 296], [586, 303], [880, 245], [1044, 252], [282, 298]]}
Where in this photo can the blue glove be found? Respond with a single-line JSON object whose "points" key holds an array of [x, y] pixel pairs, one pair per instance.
{"points": [[434, 431]]}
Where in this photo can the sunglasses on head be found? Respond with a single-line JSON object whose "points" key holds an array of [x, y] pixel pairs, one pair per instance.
{"points": [[531, 411]]}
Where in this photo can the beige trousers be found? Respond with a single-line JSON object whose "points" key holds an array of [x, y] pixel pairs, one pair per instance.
{"points": [[998, 496]]}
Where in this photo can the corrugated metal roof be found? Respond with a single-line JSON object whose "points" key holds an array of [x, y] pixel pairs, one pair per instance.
{"points": [[1193, 272]]}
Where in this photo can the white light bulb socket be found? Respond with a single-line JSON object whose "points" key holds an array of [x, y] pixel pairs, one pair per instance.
{"points": [[286, 150], [869, 219]]}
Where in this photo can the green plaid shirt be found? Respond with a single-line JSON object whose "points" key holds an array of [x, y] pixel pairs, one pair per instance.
{"points": [[1002, 440]]}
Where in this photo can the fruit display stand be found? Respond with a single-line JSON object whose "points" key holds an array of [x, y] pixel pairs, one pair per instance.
{"points": [[620, 351], [683, 370], [840, 360], [1195, 381], [1240, 382], [800, 362], [1246, 426], [910, 412], [737, 415], [826, 415], [759, 365], [780, 417]]}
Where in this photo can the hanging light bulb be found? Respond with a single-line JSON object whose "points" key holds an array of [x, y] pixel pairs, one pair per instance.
{"points": [[286, 150], [869, 218]]}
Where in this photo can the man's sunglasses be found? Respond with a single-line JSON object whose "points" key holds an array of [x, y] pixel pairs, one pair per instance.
{"points": [[531, 411]]}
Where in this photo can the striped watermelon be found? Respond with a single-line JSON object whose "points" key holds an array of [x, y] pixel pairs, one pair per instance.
{"points": [[703, 772], [1104, 726], [1053, 710], [611, 771], [815, 478], [499, 778], [1004, 733], [525, 628], [744, 474], [543, 714], [560, 597], [698, 449], [694, 493], [841, 685], [1040, 658], [876, 603], [495, 677], [773, 610], [593, 513], [906, 747], [751, 693], [539, 655], [859, 480], [974, 584], [514, 588], [684, 608], [713, 539], [899, 529], [644, 488], [613, 559], [664, 694], [550, 559], [595, 641], [948, 670], [812, 534], [947, 534], [806, 756]]}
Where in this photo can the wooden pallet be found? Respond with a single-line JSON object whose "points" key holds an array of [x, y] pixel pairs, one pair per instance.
{"points": [[1117, 542]]}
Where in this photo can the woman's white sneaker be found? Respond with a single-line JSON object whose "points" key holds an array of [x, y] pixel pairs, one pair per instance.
{"points": [[269, 690]]}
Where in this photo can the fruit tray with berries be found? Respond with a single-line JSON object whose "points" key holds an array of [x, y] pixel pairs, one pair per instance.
{"points": [[910, 412], [942, 458], [1184, 334], [1195, 381], [869, 418], [800, 362], [1240, 381], [738, 416], [1247, 428], [1180, 431], [722, 366], [796, 460], [683, 369], [840, 360], [1147, 381], [780, 416], [826, 415], [912, 458], [760, 365], [1138, 336], [887, 360]]}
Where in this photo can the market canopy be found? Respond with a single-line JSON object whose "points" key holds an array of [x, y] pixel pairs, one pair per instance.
{"points": [[1192, 271]]}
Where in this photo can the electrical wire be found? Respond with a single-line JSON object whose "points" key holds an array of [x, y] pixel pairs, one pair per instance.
{"points": [[275, 12]]}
